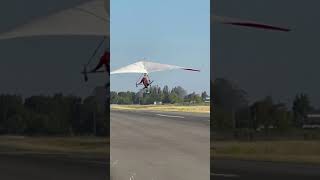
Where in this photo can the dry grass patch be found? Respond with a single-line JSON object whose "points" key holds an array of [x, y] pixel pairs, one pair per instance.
{"points": [[277, 151], [90, 145], [164, 108]]}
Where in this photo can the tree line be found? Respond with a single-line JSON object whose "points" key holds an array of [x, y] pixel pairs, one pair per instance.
{"points": [[69, 115], [53, 115], [231, 109], [176, 95]]}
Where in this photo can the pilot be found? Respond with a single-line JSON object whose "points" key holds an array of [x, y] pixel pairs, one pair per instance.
{"points": [[145, 81], [104, 60]]}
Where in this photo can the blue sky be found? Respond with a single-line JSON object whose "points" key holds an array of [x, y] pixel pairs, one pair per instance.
{"points": [[173, 32]]}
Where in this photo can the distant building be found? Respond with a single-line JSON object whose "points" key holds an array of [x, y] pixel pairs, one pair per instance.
{"points": [[207, 99], [312, 121], [157, 103]]}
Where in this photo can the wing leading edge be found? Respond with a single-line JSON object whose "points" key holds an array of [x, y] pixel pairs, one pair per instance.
{"points": [[88, 19], [148, 67]]}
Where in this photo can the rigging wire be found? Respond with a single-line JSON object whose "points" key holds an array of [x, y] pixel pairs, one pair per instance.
{"points": [[95, 51], [139, 79], [84, 72]]}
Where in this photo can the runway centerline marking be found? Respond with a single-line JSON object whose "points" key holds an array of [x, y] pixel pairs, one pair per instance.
{"points": [[164, 115], [226, 175]]}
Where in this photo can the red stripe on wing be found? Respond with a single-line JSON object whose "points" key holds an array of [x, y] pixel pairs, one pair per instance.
{"points": [[257, 25], [189, 69]]}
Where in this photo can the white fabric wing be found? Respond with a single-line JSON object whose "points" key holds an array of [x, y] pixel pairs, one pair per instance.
{"points": [[137, 67], [148, 67], [154, 67], [88, 19]]}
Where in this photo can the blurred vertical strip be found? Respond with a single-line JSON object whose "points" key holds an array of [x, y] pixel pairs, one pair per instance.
{"points": [[211, 88]]}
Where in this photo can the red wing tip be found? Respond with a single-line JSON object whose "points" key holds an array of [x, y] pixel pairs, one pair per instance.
{"points": [[188, 69], [257, 25]]}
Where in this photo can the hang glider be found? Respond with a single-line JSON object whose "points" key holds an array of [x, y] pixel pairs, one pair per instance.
{"points": [[146, 67], [246, 23], [149, 67], [91, 18], [88, 19]]}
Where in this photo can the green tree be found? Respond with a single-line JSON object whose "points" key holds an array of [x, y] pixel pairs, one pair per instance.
{"points": [[301, 107], [204, 95], [228, 96], [174, 98], [193, 98], [126, 97], [221, 119], [282, 116], [166, 94], [263, 113], [113, 97], [11, 114], [179, 91]]}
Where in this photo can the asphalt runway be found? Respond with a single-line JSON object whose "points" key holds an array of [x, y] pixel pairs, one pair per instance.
{"points": [[151, 146], [257, 170], [19, 166], [159, 146]]}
